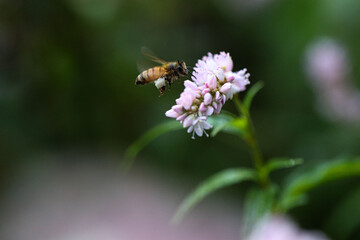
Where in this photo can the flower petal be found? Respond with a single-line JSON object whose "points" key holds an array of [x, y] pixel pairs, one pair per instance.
{"points": [[207, 99], [209, 111], [223, 100], [188, 121], [206, 125], [177, 108], [214, 104], [217, 96], [171, 114], [202, 107], [190, 129], [190, 84], [219, 72], [198, 130], [212, 82], [225, 88], [205, 91]]}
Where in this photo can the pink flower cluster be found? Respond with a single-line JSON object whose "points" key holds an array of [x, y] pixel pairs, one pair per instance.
{"points": [[213, 82]]}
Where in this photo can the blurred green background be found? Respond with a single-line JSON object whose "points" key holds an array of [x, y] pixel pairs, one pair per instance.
{"points": [[67, 72]]}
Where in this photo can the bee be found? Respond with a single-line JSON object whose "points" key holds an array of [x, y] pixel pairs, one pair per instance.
{"points": [[167, 72]]}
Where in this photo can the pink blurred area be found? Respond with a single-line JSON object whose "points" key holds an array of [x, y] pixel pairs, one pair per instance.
{"points": [[81, 199], [279, 227], [330, 74]]}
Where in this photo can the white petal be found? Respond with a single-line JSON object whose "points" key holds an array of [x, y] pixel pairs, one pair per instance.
{"points": [[188, 120], [207, 99], [225, 88], [209, 111], [217, 96], [206, 125], [190, 129], [171, 114], [212, 82], [182, 117], [177, 108], [198, 130], [190, 85], [202, 107]]}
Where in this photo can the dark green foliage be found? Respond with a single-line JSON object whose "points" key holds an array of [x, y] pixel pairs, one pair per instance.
{"points": [[217, 181]]}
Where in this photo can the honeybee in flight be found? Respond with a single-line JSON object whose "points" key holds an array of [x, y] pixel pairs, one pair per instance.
{"points": [[168, 72]]}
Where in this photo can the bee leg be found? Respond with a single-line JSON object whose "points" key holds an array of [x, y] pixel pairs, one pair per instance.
{"points": [[162, 90], [169, 84], [170, 81]]}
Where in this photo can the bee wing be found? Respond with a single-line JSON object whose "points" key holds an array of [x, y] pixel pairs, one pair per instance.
{"points": [[143, 65], [147, 52]]}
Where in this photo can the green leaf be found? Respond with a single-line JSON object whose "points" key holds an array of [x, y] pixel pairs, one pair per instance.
{"points": [[226, 123], [258, 204], [346, 217], [219, 180], [133, 150], [279, 163], [251, 94], [294, 193], [219, 123], [239, 123]]}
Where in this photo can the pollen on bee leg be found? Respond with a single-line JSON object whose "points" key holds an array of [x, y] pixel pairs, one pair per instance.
{"points": [[160, 83]]}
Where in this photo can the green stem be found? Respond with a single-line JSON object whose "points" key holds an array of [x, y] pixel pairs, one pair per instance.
{"points": [[250, 138]]}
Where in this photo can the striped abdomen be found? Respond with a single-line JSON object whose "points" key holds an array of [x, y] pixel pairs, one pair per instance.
{"points": [[149, 75]]}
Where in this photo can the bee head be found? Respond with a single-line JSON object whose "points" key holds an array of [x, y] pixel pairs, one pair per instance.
{"points": [[182, 69]]}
